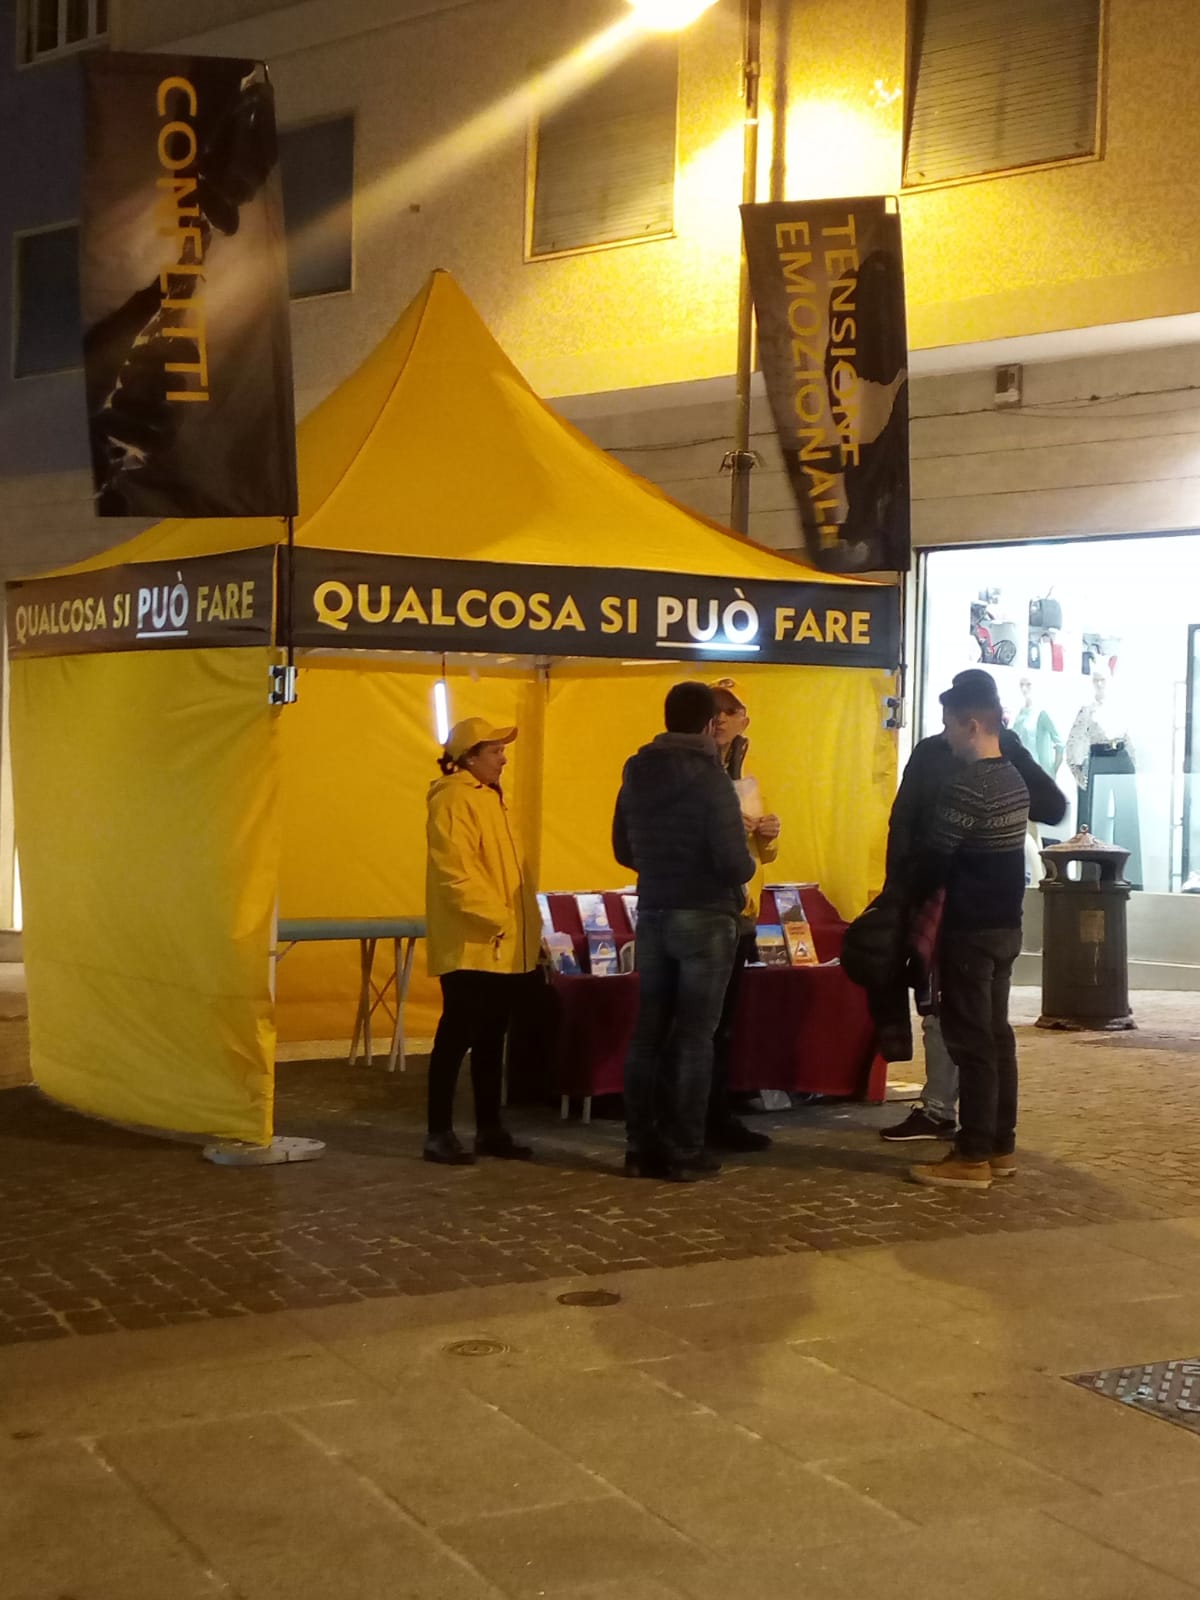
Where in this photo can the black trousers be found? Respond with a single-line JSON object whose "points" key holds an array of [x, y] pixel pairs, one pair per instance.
{"points": [[477, 1008], [718, 1099], [976, 974]]}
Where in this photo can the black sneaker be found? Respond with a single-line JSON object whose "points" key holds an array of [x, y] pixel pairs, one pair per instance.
{"points": [[500, 1144], [445, 1149], [734, 1135], [918, 1124]]}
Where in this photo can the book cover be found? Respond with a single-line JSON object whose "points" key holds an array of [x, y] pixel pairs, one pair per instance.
{"points": [[593, 913], [772, 951], [602, 954], [629, 901], [543, 901], [797, 936], [562, 952]]}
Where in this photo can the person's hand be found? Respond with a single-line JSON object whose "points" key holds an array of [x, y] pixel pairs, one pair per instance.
{"points": [[768, 827]]}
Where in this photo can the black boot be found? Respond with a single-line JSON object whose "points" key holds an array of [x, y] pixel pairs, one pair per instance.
{"points": [[499, 1143], [445, 1149], [731, 1133]]}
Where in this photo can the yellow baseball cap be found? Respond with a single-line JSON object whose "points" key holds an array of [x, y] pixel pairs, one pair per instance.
{"points": [[730, 687], [466, 735]]}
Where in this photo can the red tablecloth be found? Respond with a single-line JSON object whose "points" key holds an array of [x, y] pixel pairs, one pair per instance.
{"points": [[802, 1029]]}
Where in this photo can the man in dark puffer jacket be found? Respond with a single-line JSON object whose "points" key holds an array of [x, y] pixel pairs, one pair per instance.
{"points": [[678, 825]]}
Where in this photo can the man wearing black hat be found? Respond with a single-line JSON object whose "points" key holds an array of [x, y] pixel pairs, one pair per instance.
{"points": [[931, 766], [974, 853]]}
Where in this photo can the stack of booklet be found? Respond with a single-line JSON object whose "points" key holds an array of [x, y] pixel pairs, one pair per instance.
{"points": [[789, 942], [602, 942], [559, 946]]}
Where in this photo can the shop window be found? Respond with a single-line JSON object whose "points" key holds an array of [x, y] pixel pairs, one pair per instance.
{"points": [[1000, 86], [53, 27], [49, 320], [1190, 870], [604, 163], [1097, 663], [317, 167]]}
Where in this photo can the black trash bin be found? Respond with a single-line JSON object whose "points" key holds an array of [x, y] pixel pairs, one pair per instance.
{"points": [[1085, 958]]}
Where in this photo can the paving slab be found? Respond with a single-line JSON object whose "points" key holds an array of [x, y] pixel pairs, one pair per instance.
{"points": [[280, 1519], [1022, 1553], [609, 1542], [1157, 1526], [445, 1455], [70, 1526]]}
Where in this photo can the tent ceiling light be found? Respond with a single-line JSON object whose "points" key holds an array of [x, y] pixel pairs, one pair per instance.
{"points": [[441, 711], [668, 16]]}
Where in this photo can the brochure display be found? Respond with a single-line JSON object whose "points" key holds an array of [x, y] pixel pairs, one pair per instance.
{"points": [[799, 1028]]}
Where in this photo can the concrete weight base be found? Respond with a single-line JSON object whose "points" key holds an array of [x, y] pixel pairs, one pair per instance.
{"points": [[276, 1154]]}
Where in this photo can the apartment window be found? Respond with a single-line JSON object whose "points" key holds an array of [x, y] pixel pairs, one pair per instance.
{"points": [[998, 84], [604, 163], [51, 27], [49, 335], [317, 166]]}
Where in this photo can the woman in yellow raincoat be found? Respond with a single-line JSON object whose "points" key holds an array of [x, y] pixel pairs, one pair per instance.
{"points": [[484, 936]]}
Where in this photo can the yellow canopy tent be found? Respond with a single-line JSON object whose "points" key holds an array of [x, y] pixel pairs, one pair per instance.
{"points": [[450, 522]]}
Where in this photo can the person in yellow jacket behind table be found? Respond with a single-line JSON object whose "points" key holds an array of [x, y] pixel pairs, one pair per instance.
{"points": [[483, 937], [726, 1131]]}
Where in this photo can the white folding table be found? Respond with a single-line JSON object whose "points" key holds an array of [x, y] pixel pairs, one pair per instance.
{"points": [[404, 933]]}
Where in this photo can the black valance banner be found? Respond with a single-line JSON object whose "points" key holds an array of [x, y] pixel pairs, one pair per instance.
{"points": [[187, 350], [347, 600], [200, 603], [828, 283]]}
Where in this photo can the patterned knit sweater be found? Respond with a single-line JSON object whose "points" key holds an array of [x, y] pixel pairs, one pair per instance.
{"points": [[976, 847]]}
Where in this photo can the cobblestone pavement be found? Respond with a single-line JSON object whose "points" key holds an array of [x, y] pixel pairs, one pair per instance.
{"points": [[101, 1230]]}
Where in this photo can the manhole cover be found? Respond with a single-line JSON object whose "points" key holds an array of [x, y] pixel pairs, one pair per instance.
{"points": [[1166, 1389], [589, 1297], [476, 1347]]}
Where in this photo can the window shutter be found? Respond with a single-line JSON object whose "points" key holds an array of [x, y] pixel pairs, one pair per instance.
{"points": [[316, 166], [1000, 84], [605, 165], [49, 317]]}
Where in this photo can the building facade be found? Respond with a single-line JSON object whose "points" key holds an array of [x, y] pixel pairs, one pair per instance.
{"points": [[582, 181]]}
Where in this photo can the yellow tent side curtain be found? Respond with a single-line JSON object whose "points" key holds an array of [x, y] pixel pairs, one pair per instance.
{"points": [[354, 600]]}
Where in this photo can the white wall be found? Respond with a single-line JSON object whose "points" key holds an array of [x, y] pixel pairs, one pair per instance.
{"points": [[1100, 445]]}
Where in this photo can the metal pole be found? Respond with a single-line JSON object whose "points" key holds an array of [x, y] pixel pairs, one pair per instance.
{"points": [[741, 458]]}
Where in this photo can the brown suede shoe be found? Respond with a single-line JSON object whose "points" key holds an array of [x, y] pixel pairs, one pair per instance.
{"points": [[952, 1173], [1003, 1166]]}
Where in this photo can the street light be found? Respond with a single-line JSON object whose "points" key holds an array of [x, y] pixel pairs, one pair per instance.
{"points": [[668, 16]]}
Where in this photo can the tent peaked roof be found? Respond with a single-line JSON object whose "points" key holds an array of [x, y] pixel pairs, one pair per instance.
{"points": [[437, 446]]}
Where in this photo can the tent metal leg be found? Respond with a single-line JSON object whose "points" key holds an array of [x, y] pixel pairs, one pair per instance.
{"points": [[587, 1108], [403, 975], [564, 1109], [362, 1022]]}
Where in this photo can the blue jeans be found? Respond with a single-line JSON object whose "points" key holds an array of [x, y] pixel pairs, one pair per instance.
{"points": [[684, 960], [940, 1096]]}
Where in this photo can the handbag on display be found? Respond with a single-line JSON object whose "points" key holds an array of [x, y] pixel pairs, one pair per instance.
{"points": [[1045, 614]]}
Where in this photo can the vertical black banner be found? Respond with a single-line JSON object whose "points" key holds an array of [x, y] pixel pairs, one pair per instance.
{"points": [[828, 284], [185, 300]]}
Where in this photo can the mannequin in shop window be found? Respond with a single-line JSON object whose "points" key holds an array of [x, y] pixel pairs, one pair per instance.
{"points": [[1101, 758], [1036, 731]]}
